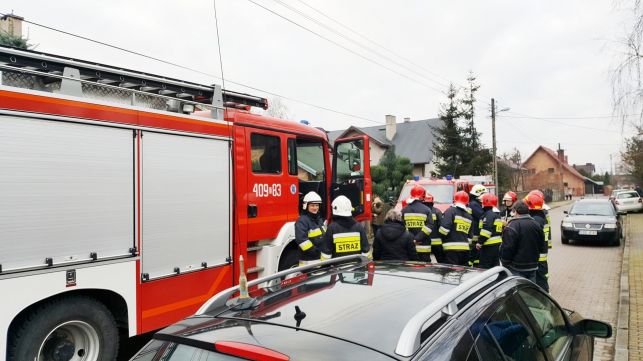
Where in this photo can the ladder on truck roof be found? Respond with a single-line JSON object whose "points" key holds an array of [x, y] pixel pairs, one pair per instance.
{"points": [[57, 74]]}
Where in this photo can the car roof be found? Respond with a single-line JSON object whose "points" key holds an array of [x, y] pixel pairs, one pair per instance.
{"points": [[593, 200], [371, 305]]}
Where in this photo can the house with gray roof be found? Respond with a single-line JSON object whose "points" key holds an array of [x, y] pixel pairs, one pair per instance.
{"points": [[410, 139]]}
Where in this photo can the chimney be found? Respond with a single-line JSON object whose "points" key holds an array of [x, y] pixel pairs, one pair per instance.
{"points": [[407, 120], [561, 155], [390, 127]]}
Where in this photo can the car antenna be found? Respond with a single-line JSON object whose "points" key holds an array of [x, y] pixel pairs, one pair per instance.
{"points": [[244, 301]]}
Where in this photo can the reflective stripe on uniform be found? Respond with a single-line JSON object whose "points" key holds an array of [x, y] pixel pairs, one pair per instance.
{"points": [[314, 233], [462, 224], [306, 245], [444, 231], [347, 242], [499, 225], [325, 256], [543, 257], [434, 217], [550, 244], [485, 233], [436, 241], [304, 262], [455, 246], [492, 240], [414, 220], [426, 230], [423, 249]]}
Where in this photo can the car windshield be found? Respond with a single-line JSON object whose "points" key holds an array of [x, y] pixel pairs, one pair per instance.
{"points": [[442, 193], [623, 195], [592, 209]]}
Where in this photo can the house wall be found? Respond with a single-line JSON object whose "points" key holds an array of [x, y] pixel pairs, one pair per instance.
{"points": [[540, 176]]}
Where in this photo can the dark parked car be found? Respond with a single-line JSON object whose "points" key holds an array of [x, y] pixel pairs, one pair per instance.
{"points": [[592, 220], [351, 308]]}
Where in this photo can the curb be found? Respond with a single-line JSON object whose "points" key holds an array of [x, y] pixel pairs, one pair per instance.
{"points": [[622, 332]]}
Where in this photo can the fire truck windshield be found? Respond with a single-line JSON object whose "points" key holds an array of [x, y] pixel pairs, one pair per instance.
{"points": [[442, 193]]}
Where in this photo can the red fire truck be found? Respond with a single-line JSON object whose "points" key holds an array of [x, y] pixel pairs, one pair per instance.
{"points": [[126, 197], [442, 190]]}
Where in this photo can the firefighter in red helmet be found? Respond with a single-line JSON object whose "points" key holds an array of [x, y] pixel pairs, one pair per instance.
{"points": [[508, 201], [456, 230], [491, 226], [419, 221], [535, 203], [436, 241]]}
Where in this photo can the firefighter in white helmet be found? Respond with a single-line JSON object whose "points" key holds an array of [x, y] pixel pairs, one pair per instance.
{"points": [[344, 235], [475, 205], [309, 229]]}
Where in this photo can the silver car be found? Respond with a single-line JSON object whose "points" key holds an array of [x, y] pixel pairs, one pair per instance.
{"points": [[628, 201]]}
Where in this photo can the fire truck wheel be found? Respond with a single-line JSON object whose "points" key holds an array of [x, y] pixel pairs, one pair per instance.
{"points": [[289, 259], [75, 328]]}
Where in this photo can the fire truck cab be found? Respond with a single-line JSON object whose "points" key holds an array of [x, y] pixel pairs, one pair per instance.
{"points": [[126, 197]]}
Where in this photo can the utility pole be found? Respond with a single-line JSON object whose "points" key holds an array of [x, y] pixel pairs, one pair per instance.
{"points": [[493, 137]]}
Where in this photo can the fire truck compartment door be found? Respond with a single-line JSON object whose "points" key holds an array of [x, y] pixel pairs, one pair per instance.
{"points": [[186, 203], [66, 191], [352, 174]]}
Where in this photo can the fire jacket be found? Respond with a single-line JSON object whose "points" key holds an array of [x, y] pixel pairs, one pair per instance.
{"points": [[418, 219], [309, 230], [456, 229], [343, 237], [491, 226]]}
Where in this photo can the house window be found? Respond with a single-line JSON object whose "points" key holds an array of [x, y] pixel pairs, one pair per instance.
{"points": [[550, 170], [532, 171]]}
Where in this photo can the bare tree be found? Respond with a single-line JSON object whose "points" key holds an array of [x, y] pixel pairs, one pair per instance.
{"points": [[627, 84], [277, 108]]}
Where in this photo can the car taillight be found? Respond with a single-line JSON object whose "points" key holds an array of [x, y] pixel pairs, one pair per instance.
{"points": [[616, 202], [248, 351], [640, 200]]}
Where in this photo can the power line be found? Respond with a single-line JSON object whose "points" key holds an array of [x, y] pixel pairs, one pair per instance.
{"points": [[565, 124], [316, 21], [346, 48], [321, 107]]}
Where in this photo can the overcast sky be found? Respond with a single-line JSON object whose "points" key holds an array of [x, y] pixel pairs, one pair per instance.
{"points": [[542, 58]]}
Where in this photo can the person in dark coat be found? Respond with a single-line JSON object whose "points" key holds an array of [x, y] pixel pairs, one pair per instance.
{"points": [[392, 240], [522, 243]]}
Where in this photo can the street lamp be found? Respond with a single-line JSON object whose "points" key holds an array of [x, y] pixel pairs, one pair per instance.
{"points": [[493, 135]]}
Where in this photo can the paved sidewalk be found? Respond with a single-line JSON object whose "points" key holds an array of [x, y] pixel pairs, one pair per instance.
{"points": [[635, 235]]}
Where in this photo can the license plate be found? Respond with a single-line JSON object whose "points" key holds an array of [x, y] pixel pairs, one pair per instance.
{"points": [[587, 233]]}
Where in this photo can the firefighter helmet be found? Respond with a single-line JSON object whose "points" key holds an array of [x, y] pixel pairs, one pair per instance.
{"points": [[534, 201], [418, 192], [311, 197], [538, 192], [428, 198], [478, 190], [461, 197], [510, 196], [489, 200], [342, 207]]}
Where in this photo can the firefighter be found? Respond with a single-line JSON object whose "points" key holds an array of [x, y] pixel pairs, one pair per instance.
{"points": [[545, 210], [344, 236], [436, 241], [309, 229], [418, 220], [508, 201], [535, 203], [522, 243], [456, 229], [476, 212], [490, 232]]}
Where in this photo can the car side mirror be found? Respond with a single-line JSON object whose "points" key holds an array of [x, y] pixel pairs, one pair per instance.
{"points": [[594, 328], [566, 212]]}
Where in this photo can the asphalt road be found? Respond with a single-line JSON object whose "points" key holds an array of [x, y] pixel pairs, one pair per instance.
{"points": [[585, 277]]}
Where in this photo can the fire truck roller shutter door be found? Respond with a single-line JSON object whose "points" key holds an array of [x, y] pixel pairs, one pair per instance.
{"points": [[186, 185]]}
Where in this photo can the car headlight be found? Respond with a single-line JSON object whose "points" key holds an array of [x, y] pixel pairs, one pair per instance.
{"points": [[567, 224], [610, 225]]}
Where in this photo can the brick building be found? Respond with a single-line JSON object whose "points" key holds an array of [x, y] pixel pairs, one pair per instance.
{"points": [[549, 170]]}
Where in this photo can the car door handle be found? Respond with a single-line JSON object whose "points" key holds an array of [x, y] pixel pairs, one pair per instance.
{"points": [[252, 210]]}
